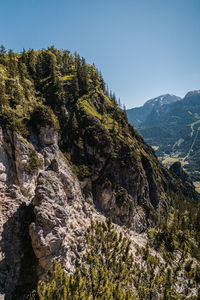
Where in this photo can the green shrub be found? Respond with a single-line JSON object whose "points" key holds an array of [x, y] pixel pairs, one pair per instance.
{"points": [[121, 197], [34, 162], [83, 172], [106, 273], [42, 116], [9, 118]]}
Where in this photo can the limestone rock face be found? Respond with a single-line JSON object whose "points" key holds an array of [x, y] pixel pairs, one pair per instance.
{"points": [[16, 192], [178, 172], [48, 136], [42, 211], [59, 210], [45, 209], [121, 190]]}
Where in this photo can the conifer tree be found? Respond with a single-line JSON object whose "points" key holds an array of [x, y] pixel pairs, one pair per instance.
{"points": [[2, 55], [74, 88], [12, 63], [3, 96], [105, 275]]}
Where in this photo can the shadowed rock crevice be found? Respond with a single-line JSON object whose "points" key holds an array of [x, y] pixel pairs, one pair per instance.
{"points": [[188, 188], [153, 191], [28, 274], [19, 264]]}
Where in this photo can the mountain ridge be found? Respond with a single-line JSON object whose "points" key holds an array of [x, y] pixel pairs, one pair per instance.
{"points": [[172, 130], [138, 115], [69, 159]]}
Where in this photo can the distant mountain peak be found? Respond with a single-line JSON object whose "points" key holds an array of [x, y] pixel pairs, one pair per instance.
{"points": [[163, 99], [138, 115], [173, 129], [192, 93]]}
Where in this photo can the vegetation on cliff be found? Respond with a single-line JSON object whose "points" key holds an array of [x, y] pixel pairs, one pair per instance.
{"points": [[109, 271], [52, 88]]}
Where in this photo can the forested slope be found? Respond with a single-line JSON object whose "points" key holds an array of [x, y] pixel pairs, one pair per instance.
{"points": [[69, 156]]}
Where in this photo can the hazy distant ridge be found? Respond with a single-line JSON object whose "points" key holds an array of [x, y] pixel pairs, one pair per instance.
{"points": [[172, 127], [138, 115]]}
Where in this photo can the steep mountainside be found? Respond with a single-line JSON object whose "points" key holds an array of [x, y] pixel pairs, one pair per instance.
{"points": [[138, 115], [174, 132], [68, 157]]}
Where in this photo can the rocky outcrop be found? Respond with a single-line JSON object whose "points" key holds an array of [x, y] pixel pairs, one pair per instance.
{"points": [[45, 209], [119, 191], [16, 191], [42, 211], [41, 184], [60, 209], [188, 187]]}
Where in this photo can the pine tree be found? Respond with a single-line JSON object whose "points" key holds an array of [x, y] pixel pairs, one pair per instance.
{"points": [[102, 83], [12, 63], [3, 96], [105, 275], [2, 55], [74, 89]]}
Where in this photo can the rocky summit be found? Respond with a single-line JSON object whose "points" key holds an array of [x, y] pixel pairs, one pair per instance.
{"points": [[69, 164]]}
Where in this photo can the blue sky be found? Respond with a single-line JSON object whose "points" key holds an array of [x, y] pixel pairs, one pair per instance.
{"points": [[144, 48]]}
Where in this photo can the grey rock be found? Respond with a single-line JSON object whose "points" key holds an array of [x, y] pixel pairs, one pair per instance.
{"points": [[51, 209]]}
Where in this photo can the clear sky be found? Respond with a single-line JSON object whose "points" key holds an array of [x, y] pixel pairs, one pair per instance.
{"points": [[144, 48]]}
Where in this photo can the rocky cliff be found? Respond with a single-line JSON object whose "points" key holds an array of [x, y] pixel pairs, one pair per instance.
{"points": [[45, 208], [42, 209], [68, 156]]}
